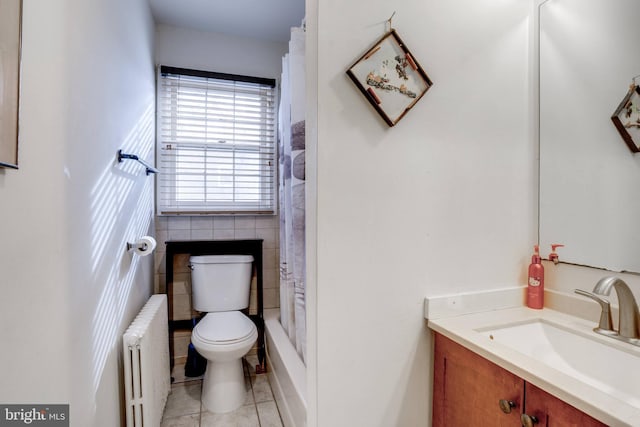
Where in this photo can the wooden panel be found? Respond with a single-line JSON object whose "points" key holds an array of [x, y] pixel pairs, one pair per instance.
{"points": [[467, 389], [553, 412]]}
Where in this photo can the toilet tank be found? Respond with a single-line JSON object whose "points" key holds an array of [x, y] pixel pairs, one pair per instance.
{"points": [[220, 282]]}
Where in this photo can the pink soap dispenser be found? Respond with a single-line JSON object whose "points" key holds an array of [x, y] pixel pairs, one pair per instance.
{"points": [[535, 285]]}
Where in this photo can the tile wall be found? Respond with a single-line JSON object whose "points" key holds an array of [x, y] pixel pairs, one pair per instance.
{"points": [[213, 228]]}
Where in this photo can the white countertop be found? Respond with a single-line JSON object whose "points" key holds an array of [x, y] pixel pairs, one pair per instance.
{"points": [[463, 329]]}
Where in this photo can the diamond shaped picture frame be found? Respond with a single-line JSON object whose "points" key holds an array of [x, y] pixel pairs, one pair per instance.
{"points": [[626, 118], [390, 78]]}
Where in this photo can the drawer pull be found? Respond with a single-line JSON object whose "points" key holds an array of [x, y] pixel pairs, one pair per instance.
{"points": [[528, 420], [506, 405]]}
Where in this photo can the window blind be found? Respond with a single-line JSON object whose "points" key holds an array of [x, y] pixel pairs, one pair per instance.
{"points": [[215, 143]]}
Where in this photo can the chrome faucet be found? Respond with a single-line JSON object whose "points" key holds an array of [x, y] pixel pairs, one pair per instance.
{"points": [[628, 308], [629, 316], [605, 326]]}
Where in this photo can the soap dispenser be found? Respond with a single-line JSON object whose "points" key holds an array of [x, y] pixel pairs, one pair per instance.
{"points": [[553, 256], [535, 285]]}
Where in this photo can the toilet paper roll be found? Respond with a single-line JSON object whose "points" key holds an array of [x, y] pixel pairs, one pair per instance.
{"points": [[144, 245]]}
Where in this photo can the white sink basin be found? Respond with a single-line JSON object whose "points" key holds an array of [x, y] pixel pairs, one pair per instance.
{"points": [[587, 357]]}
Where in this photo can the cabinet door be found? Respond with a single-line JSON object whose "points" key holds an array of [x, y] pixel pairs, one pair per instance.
{"points": [[467, 389], [553, 412]]}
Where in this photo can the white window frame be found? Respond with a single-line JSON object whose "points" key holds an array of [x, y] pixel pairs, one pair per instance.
{"points": [[215, 143]]}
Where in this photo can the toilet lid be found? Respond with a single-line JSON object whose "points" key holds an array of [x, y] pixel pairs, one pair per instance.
{"points": [[224, 327]]}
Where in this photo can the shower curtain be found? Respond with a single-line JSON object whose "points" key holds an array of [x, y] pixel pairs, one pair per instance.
{"points": [[292, 193]]}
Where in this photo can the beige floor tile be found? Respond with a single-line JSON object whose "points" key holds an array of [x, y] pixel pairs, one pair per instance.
{"points": [[261, 388], [247, 385], [183, 400], [268, 414], [245, 416], [192, 420], [185, 410]]}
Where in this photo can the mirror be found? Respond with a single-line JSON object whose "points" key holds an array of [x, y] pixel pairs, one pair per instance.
{"points": [[589, 177]]}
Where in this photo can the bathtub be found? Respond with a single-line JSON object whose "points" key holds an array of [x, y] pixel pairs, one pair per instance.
{"points": [[287, 373]]}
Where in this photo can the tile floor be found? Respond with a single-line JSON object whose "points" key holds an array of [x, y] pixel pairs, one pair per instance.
{"points": [[184, 409]]}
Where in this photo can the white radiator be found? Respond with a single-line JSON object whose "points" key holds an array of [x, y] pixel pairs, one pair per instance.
{"points": [[147, 376]]}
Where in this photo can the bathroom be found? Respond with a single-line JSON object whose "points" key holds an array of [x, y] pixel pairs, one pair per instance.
{"points": [[445, 202]]}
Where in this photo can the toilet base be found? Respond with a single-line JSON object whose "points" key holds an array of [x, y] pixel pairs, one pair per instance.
{"points": [[223, 387]]}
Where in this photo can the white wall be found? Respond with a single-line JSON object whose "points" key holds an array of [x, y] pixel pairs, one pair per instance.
{"points": [[70, 288], [34, 308], [443, 202], [199, 50], [567, 277]]}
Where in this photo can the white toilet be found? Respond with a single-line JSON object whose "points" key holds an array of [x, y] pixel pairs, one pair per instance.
{"points": [[220, 287]]}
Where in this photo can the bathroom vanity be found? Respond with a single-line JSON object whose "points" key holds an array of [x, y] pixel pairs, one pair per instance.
{"points": [[499, 363], [468, 387]]}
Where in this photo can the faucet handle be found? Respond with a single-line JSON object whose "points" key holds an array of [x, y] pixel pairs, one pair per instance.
{"points": [[605, 316]]}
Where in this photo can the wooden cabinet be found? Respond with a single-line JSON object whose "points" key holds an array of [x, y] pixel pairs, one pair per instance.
{"points": [[470, 390], [553, 412]]}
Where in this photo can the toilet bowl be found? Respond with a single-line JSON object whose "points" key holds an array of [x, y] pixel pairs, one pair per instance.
{"points": [[223, 338], [221, 286]]}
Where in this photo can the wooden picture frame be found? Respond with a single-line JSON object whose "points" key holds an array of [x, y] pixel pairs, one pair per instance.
{"points": [[10, 43], [390, 78], [627, 118]]}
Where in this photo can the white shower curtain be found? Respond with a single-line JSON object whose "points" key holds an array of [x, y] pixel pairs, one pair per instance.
{"points": [[291, 193]]}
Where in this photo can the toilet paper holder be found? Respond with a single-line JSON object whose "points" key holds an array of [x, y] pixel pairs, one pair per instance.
{"points": [[143, 246]]}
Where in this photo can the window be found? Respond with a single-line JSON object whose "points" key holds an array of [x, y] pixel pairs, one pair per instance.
{"points": [[215, 143]]}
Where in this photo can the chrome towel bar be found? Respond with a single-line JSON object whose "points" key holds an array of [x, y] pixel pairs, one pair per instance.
{"points": [[122, 156]]}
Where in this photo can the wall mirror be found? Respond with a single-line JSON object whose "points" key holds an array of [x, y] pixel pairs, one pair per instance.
{"points": [[589, 178], [10, 17]]}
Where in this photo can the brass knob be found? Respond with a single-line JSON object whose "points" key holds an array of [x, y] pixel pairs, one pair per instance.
{"points": [[528, 420], [506, 405]]}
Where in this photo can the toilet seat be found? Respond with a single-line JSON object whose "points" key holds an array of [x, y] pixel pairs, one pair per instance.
{"points": [[224, 328]]}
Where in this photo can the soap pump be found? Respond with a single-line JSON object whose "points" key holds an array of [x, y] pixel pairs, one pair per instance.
{"points": [[553, 256], [535, 285]]}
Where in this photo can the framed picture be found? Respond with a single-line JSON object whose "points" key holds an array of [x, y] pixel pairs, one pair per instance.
{"points": [[390, 78], [627, 118], [10, 26]]}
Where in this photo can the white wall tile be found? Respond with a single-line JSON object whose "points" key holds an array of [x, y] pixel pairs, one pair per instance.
{"points": [[181, 307], [162, 223], [161, 284], [156, 283], [223, 234], [245, 222], [245, 233], [161, 237], [180, 234], [271, 298], [181, 342], [215, 228], [159, 263], [198, 234], [270, 278], [270, 258], [268, 221], [179, 223], [268, 235], [201, 223], [223, 223], [181, 284]]}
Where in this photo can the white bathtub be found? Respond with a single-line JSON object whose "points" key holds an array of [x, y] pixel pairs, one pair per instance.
{"points": [[287, 373]]}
